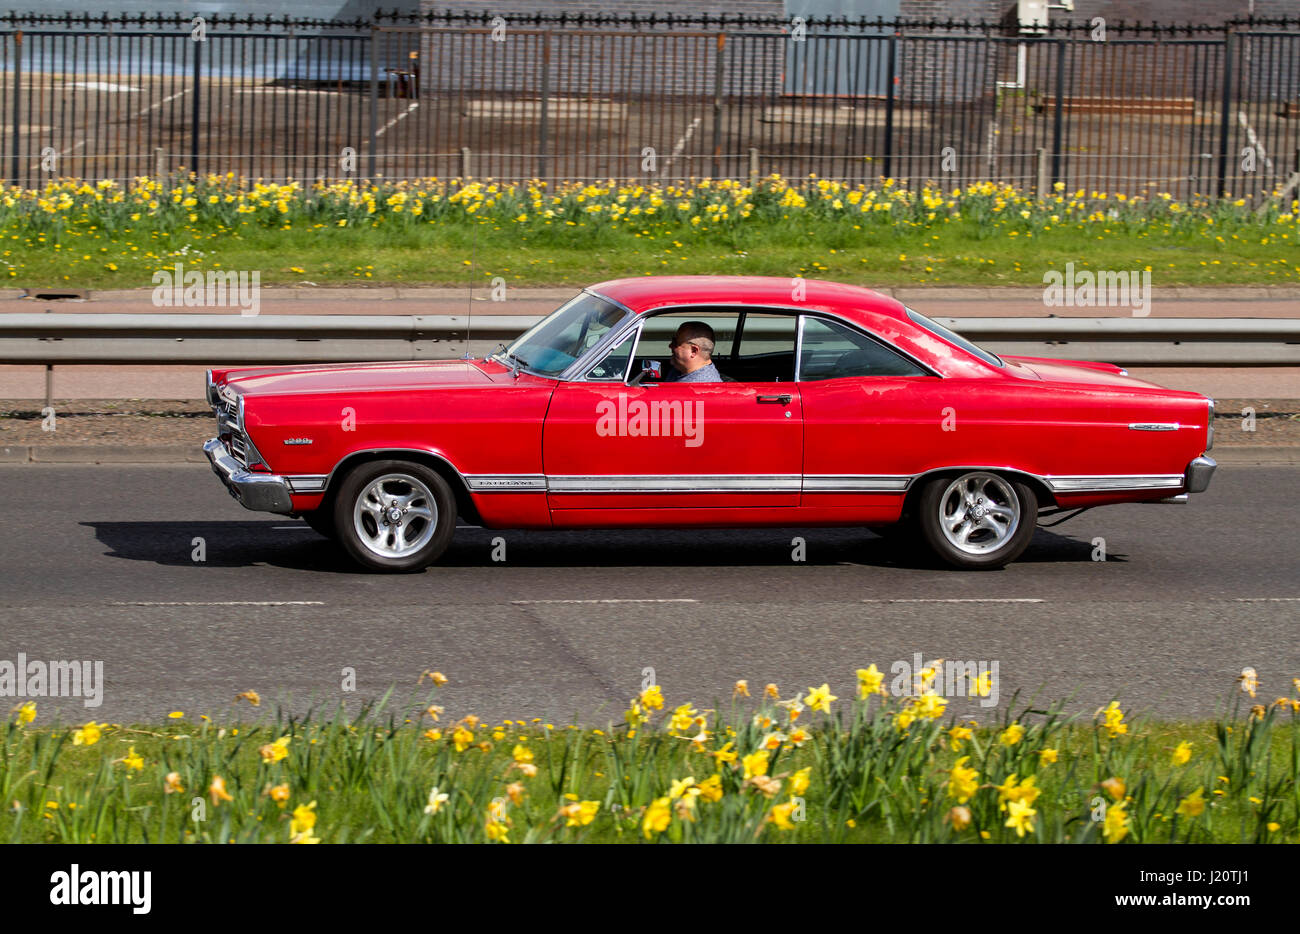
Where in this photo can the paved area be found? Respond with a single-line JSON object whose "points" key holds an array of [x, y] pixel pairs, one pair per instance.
{"points": [[98, 563]]}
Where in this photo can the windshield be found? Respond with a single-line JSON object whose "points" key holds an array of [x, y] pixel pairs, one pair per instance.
{"points": [[549, 347], [953, 337]]}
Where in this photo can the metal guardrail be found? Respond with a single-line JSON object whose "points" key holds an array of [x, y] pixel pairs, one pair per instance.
{"points": [[216, 339]]}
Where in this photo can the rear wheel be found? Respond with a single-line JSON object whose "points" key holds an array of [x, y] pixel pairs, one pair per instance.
{"points": [[394, 515], [977, 520]]}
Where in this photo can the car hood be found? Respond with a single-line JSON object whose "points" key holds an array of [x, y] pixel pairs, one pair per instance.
{"points": [[355, 377]]}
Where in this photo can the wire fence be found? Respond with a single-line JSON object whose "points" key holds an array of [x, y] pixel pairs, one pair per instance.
{"points": [[1178, 109]]}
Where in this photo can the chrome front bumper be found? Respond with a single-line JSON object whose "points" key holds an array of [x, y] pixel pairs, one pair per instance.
{"points": [[1199, 472], [261, 492]]}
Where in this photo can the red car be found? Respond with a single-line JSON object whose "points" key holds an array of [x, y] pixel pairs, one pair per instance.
{"points": [[826, 405]]}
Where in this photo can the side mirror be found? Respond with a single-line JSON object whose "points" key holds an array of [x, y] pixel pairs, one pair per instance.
{"points": [[651, 368]]}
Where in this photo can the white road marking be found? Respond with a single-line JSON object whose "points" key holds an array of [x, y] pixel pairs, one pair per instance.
{"points": [[1254, 140], [219, 603], [402, 116], [681, 144], [1267, 600], [530, 602], [960, 600], [165, 100]]}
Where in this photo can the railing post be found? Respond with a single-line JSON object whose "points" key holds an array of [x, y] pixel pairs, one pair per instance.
{"points": [[194, 109], [18, 97], [543, 131], [718, 67], [891, 80], [159, 163], [1040, 172], [1058, 119], [374, 100], [753, 167], [1225, 116], [466, 169]]}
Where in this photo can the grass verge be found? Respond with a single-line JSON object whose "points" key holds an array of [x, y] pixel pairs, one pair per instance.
{"points": [[451, 232], [810, 768]]}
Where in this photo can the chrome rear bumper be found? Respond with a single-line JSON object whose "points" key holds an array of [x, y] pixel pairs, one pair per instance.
{"points": [[260, 492], [1199, 472]]}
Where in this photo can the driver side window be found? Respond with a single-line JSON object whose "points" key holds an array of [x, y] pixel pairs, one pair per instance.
{"points": [[613, 366]]}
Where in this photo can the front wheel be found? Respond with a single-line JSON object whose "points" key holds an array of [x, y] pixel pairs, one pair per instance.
{"points": [[394, 515], [977, 520]]}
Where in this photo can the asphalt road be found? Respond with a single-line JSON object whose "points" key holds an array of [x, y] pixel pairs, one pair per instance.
{"points": [[97, 563]]}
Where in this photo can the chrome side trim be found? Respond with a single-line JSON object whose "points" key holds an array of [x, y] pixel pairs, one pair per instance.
{"points": [[774, 483], [854, 483], [506, 484], [1209, 426], [1106, 484], [1153, 426], [307, 483]]}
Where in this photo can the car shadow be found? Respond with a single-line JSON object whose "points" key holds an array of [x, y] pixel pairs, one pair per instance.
{"points": [[291, 544]]}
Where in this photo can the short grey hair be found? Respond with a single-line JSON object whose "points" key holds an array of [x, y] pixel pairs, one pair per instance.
{"points": [[698, 333]]}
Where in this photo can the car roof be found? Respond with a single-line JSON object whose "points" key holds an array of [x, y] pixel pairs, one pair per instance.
{"points": [[647, 293]]}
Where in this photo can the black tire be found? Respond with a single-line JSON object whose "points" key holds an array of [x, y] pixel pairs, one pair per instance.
{"points": [[428, 514], [995, 514], [321, 519]]}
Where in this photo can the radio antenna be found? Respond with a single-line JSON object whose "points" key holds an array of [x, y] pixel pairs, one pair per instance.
{"points": [[473, 259]]}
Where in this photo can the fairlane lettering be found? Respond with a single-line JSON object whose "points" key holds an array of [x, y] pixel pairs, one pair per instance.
{"points": [[659, 418]]}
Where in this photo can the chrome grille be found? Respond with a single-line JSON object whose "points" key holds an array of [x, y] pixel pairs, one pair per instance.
{"points": [[237, 449]]}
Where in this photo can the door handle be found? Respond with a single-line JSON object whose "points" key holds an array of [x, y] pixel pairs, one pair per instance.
{"points": [[784, 399]]}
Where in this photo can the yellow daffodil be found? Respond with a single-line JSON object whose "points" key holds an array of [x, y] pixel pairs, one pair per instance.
{"points": [[870, 681], [217, 791], [820, 698], [1115, 827], [1193, 805], [1020, 817], [88, 735], [755, 764], [963, 781], [657, 817], [780, 816]]}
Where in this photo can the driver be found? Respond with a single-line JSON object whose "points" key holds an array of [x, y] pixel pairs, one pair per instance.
{"points": [[692, 348]]}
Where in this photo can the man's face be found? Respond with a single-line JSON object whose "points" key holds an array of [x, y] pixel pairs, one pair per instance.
{"points": [[686, 353]]}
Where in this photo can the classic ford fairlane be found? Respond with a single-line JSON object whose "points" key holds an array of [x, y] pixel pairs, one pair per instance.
{"points": [[706, 401]]}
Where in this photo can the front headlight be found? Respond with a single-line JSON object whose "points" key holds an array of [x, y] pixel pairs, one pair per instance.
{"points": [[1209, 427]]}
